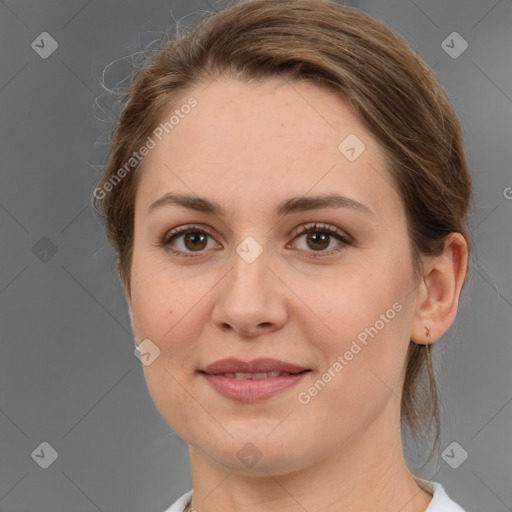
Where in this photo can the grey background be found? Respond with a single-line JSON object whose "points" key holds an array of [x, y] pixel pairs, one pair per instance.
{"points": [[68, 375]]}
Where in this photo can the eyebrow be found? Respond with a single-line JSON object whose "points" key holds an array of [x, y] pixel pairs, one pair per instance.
{"points": [[292, 205]]}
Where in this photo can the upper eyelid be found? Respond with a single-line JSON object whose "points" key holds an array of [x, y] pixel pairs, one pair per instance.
{"points": [[319, 226], [308, 225]]}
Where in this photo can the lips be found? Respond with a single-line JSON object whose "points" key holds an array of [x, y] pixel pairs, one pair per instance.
{"points": [[252, 381]]}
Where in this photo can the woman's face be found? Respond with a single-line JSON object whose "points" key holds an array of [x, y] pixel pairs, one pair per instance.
{"points": [[246, 282]]}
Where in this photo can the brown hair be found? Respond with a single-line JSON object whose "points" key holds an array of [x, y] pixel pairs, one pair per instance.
{"points": [[390, 87]]}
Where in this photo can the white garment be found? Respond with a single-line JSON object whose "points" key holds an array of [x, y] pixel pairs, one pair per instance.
{"points": [[440, 500]]}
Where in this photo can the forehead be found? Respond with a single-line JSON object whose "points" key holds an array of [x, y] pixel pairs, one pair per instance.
{"points": [[262, 141]]}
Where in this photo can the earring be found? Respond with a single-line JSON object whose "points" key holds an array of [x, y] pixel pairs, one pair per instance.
{"points": [[427, 333]]}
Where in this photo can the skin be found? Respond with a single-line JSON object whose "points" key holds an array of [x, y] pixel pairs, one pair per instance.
{"points": [[249, 147]]}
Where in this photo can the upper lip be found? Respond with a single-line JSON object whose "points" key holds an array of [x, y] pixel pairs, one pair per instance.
{"points": [[262, 365]]}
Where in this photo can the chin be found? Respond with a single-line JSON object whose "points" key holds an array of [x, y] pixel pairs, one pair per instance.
{"points": [[257, 457]]}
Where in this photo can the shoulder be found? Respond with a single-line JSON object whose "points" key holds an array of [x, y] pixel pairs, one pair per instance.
{"points": [[441, 502], [180, 504]]}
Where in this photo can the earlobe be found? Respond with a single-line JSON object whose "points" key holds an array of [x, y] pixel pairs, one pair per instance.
{"points": [[439, 293]]}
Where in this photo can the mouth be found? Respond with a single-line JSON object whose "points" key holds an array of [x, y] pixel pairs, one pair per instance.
{"points": [[252, 381]]}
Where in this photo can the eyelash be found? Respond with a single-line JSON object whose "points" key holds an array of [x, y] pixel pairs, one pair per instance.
{"points": [[169, 237]]}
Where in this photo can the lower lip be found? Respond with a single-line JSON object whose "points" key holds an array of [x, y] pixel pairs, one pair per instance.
{"points": [[252, 390]]}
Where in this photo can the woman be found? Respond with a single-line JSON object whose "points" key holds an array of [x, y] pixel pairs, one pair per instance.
{"points": [[287, 193]]}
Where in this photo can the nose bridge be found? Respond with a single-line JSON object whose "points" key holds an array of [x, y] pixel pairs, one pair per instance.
{"points": [[248, 296], [249, 274]]}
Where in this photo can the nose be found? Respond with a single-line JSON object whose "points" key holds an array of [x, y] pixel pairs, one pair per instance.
{"points": [[251, 299]]}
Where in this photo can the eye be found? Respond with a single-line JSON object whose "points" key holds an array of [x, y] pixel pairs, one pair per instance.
{"points": [[319, 237], [190, 239]]}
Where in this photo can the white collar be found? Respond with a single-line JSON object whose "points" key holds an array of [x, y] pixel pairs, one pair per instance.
{"points": [[441, 502]]}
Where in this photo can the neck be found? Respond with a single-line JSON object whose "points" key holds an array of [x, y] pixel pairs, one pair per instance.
{"points": [[367, 472]]}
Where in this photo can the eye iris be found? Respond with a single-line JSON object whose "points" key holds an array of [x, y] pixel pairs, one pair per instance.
{"points": [[194, 238], [316, 238]]}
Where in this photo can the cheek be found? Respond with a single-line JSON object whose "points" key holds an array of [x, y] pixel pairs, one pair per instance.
{"points": [[362, 362], [171, 311], [360, 328], [164, 312], [157, 301]]}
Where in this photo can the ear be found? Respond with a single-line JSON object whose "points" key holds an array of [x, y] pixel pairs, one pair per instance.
{"points": [[439, 291]]}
